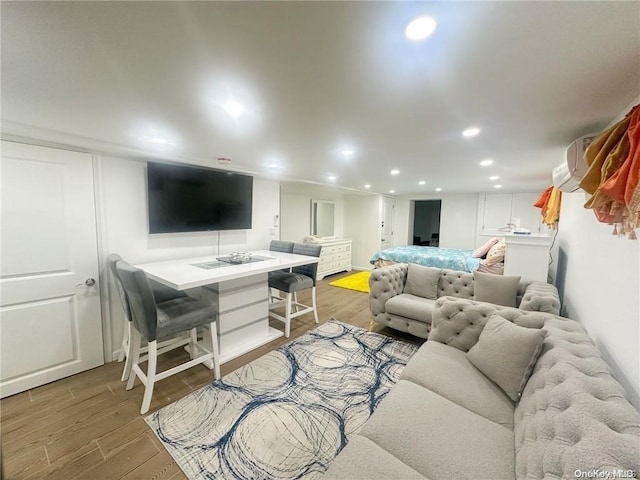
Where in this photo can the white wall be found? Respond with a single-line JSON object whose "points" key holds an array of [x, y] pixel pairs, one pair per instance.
{"points": [[295, 209], [361, 224], [598, 276], [458, 219], [124, 226]]}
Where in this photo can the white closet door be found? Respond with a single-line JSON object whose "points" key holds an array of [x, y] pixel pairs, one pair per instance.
{"points": [[50, 319], [522, 208], [497, 212]]}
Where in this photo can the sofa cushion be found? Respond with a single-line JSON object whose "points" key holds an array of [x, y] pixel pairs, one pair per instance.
{"points": [[411, 306], [498, 289], [362, 458], [438, 438], [435, 366], [507, 353], [422, 281]]}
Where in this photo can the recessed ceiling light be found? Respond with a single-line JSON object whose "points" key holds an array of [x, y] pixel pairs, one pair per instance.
{"points": [[486, 163], [347, 152], [233, 108], [438, 189], [394, 172], [273, 165], [421, 182], [392, 191], [420, 28], [367, 186], [471, 132], [497, 186], [332, 177], [159, 140], [494, 178]]}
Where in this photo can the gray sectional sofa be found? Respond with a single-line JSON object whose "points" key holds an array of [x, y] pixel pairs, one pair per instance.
{"points": [[445, 419], [410, 310]]}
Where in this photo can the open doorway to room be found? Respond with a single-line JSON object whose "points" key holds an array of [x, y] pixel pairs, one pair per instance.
{"points": [[426, 223]]}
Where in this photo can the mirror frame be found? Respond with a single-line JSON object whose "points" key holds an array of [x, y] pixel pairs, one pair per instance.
{"points": [[314, 209]]}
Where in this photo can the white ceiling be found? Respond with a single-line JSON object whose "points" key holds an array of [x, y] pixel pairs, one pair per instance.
{"points": [[315, 77]]}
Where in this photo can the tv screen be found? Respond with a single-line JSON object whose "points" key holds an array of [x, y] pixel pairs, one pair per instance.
{"points": [[184, 198]]}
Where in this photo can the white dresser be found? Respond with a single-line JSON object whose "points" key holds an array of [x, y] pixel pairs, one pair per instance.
{"points": [[335, 255]]}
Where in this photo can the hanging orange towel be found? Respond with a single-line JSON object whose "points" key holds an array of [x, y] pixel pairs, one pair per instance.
{"points": [[598, 151], [543, 199], [616, 186], [623, 187], [549, 201], [552, 213]]}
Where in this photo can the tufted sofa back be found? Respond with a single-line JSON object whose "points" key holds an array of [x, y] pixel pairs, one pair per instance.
{"points": [[573, 415], [454, 283]]}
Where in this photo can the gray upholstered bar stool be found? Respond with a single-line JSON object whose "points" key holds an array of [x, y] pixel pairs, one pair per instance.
{"points": [[290, 283], [161, 294], [153, 321]]}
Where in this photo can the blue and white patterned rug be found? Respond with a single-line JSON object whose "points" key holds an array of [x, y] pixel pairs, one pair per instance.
{"points": [[287, 414]]}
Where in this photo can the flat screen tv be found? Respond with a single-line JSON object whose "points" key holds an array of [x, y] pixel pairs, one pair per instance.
{"points": [[183, 198]]}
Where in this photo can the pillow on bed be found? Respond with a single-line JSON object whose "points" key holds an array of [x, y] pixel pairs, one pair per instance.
{"points": [[496, 253], [422, 281], [480, 252]]}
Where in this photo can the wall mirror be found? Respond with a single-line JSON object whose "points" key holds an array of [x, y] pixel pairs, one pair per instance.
{"points": [[322, 218]]}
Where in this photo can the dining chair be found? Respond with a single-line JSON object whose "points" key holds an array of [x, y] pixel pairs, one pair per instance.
{"points": [[161, 293], [290, 283], [152, 321]]}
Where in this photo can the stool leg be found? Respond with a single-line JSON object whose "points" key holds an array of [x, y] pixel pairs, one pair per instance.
{"points": [[134, 340], [151, 375], [287, 318], [313, 303], [193, 350], [126, 372]]}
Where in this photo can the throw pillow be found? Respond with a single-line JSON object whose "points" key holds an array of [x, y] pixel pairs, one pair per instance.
{"points": [[498, 289], [496, 253], [480, 252], [422, 281], [506, 354]]}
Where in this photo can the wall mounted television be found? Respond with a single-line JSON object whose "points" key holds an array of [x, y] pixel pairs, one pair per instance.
{"points": [[185, 198]]}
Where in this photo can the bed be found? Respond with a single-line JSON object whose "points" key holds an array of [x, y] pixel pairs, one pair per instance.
{"points": [[449, 258]]}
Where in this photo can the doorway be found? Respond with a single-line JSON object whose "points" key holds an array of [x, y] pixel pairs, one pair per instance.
{"points": [[426, 223]]}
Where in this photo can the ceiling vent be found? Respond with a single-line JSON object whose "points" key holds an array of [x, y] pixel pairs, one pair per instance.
{"points": [[567, 175]]}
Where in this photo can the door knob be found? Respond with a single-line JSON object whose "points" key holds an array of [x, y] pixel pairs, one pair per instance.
{"points": [[90, 282]]}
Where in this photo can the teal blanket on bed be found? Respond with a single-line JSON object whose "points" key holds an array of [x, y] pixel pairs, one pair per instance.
{"points": [[450, 258]]}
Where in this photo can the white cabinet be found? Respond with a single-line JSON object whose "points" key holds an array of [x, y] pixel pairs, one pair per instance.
{"points": [[527, 256], [335, 256], [498, 211]]}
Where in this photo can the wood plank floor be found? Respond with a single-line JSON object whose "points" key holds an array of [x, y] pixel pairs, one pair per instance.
{"points": [[89, 427]]}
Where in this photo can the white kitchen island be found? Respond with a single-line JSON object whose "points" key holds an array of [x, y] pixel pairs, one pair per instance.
{"points": [[239, 292]]}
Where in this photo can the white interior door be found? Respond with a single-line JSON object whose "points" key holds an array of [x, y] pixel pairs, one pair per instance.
{"points": [[50, 319], [386, 214]]}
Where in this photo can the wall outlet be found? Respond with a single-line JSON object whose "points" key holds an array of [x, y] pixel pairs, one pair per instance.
{"points": [[273, 232]]}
